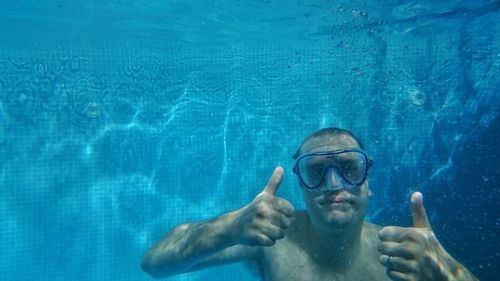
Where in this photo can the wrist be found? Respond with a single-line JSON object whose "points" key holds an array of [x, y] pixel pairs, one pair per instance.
{"points": [[229, 228], [452, 270]]}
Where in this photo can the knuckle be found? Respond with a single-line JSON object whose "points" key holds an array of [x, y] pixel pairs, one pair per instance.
{"points": [[288, 207], [417, 252], [255, 226], [252, 239], [277, 234], [421, 237], [252, 233], [262, 210], [428, 236], [265, 241], [412, 266], [385, 231], [388, 229], [286, 223]]}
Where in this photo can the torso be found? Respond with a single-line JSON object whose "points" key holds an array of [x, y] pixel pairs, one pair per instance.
{"points": [[287, 259]]}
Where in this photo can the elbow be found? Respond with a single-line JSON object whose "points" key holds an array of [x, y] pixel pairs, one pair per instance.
{"points": [[148, 266], [154, 268]]}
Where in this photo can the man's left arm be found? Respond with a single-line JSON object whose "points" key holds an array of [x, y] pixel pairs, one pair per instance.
{"points": [[414, 253]]}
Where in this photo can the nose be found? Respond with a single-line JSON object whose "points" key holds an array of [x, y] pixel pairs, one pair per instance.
{"points": [[334, 180]]}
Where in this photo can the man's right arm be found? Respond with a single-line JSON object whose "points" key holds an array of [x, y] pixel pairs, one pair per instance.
{"points": [[190, 247], [228, 238]]}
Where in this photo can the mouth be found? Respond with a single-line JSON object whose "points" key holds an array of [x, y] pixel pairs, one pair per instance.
{"points": [[340, 200]]}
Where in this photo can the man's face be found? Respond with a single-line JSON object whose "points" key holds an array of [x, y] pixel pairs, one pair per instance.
{"points": [[340, 208]]}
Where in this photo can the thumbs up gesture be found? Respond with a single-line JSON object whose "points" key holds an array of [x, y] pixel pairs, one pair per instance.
{"points": [[266, 218], [414, 253]]}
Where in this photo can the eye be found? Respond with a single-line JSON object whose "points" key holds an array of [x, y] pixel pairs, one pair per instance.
{"points": [[315, 170], [351, 169]]}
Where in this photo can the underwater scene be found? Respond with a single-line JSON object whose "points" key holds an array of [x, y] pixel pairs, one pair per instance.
{"points": [[120, 120]]}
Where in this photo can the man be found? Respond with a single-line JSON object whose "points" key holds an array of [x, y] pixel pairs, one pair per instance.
{"points": [[328, 241]]}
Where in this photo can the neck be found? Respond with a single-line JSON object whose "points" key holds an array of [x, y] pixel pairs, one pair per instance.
{"points": [[335, 247]]}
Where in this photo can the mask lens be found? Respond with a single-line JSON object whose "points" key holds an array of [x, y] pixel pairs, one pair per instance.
{"points": [[350, 165], [312, 169]]}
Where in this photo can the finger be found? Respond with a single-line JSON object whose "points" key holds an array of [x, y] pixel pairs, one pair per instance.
{"points": [[396, 275], [396, 234], [396, 263], [418, 211], [396, 249], [274, 181], [284, 207], [263, 240], [280, 220], [273, 232]]}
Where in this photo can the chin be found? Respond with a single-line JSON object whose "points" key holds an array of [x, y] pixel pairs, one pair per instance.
{"points": [[340, 218]]}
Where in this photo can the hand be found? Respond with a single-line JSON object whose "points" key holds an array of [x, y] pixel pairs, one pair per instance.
{"points": [[266, 218], [413, 253]]}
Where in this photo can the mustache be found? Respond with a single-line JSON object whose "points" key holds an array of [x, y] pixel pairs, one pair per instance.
{"points": [[338, 197]]}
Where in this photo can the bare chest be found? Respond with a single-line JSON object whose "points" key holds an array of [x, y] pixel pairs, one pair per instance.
{"points": [[289, 262]]}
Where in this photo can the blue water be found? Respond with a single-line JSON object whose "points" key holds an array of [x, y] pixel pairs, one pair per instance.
{"points": [[119, 120]]}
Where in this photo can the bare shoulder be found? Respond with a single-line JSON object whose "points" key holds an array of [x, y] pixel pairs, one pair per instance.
{"points": [[371, 228], [370, 258], [293, 240], [287, 259], [370, 232]]}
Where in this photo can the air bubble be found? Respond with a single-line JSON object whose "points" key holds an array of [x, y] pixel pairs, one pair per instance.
{"points": [[417, 98], [93, 110]]}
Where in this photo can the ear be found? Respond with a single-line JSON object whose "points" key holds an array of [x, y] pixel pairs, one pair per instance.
{"points": [[303, 190], [370, 193]]}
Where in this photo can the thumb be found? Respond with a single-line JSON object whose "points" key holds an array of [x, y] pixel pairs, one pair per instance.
{"points": [[274, 181], [418, 211]]}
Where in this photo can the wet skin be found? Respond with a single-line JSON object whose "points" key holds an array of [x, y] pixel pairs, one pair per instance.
{"points": [[328, 241]]}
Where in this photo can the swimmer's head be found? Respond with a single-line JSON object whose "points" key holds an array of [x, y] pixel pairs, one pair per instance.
{"points": [[328, 137], [334, 207]]}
